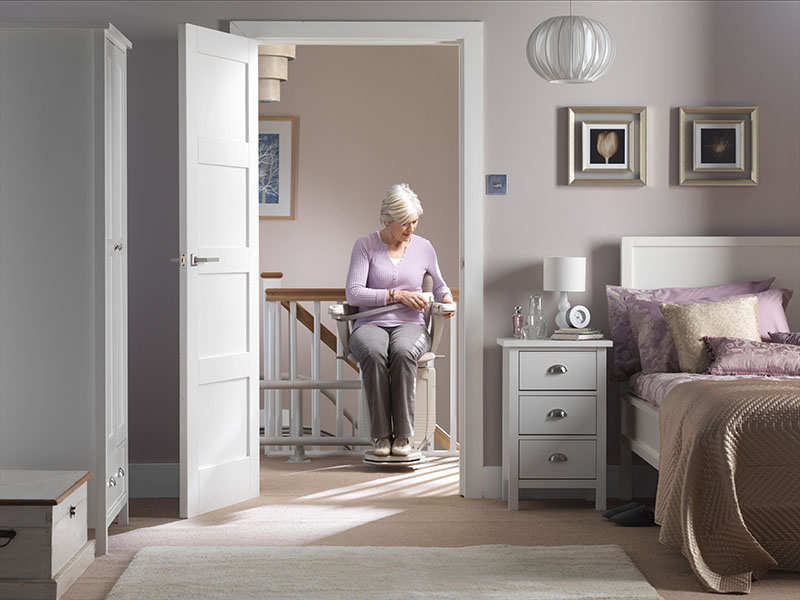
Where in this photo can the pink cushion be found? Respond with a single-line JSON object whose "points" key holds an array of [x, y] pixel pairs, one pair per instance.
{"points": [[626, 360], [656, 348], [732, 356]]}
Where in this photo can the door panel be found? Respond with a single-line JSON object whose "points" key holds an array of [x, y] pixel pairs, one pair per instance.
{"points": [[219, 297]]}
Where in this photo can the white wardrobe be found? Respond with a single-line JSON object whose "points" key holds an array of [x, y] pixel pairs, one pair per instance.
{"points": [[63, 258]]}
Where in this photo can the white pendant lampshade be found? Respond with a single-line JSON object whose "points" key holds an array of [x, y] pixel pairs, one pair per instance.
{"points": [[571, 49], [273, 68]]}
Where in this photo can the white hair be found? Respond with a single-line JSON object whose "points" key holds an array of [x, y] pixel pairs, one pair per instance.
{"points": [[400, 204]]}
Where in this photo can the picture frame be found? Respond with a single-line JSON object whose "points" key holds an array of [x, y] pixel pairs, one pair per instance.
{"points": [[277, 167], [718, 145], [607, 145]]}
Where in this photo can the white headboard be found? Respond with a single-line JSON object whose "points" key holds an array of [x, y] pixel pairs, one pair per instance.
{"points": [[654, 262]]}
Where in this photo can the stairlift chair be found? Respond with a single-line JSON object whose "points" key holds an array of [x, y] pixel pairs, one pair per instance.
{"points": [[425, 404]]}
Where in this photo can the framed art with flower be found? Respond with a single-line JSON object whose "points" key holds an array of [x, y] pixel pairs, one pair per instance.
{"points": [[718, 145], [607, 145], [277, 167]]}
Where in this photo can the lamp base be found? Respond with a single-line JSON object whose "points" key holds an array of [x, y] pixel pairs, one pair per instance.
{"points": [[563, 307]]}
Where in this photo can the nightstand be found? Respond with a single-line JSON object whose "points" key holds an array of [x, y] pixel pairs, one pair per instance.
{"points": [[554, 416]]}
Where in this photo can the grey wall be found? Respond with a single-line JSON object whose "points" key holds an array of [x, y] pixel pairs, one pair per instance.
{"points": [[669, 54]]}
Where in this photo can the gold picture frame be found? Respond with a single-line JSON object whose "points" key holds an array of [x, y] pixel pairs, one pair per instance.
{"points": [[277, 167], [585, 126], [718, 145]]}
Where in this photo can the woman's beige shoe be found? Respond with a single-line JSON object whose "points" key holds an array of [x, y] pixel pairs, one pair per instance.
{"points": [[382, 447], [401, 447]]}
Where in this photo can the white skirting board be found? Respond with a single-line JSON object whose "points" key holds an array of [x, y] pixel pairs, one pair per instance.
{"points": [[162, 480], [645, 479]]}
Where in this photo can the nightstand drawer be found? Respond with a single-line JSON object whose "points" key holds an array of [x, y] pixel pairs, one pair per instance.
{"points": [[558, 370], [557, 459], [557, 415]]}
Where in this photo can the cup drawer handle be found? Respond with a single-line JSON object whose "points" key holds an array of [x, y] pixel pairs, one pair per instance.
{"points": [[557, 413], [557, 369], [558, 457], [111, 482]]}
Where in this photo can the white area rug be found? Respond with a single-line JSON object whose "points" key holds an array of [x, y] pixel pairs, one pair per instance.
{"points": [[370, 573]]}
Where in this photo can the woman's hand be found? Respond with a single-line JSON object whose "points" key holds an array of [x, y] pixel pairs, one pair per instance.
{"points": [[411, 299]]}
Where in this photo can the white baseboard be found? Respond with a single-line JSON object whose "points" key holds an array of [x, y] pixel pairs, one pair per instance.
{"points": [[645, 479], [154, 480]]}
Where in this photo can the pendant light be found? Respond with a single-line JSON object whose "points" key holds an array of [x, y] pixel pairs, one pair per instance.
{"points": [[571, 49], [273, 68]]}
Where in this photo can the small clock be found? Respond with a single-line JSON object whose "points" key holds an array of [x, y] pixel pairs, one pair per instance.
{"points": [[578, 316]]}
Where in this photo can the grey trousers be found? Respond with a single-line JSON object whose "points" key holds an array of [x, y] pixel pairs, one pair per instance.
{"points": [[388, 357]]}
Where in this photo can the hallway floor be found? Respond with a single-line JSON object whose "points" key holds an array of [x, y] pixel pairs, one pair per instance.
{"points": [[338, 501]]}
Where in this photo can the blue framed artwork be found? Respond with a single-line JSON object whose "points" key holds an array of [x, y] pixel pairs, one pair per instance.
{"points": [[277, 167]]}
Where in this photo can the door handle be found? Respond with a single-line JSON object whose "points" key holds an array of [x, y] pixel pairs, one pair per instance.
{"points": [[196, 260], [111, 482]]}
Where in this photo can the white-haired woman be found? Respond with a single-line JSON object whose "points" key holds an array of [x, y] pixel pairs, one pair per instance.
{"points": [[386, 267]]}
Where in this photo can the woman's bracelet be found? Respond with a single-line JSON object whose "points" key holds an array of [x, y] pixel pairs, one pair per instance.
{"points": [[391, 297]]}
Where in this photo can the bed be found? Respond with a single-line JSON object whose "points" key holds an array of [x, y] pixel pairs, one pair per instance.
{"points": [[717, 525]]}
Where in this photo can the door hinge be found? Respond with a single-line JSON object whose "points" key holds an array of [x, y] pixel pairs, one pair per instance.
{"points": [[181, 260]]}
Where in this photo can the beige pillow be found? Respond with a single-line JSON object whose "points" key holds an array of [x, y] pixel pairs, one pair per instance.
{"points": [[688, 323]]}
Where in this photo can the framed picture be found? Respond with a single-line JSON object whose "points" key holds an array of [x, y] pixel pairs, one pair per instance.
{"points": [[607, 145], [277, 167], [718, 145]]}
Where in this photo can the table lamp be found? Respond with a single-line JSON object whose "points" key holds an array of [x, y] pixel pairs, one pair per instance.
{"points": [[564, 274]]}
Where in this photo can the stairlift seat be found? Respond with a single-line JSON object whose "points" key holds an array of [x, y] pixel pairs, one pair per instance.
{"points": [[425, 405]]}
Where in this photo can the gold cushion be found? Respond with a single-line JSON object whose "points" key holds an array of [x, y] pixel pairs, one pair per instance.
{"points": [[688, 323]]}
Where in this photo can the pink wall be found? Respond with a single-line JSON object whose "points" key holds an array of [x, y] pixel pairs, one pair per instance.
{"points": [[368, 117], [669, 54]]}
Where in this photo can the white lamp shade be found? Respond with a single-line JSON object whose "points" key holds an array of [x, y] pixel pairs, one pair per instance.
{"points": [[571, 49], [565, 274]]}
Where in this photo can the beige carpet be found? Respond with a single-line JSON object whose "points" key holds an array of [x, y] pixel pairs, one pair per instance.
{"points": [[364, 573], [338, 501]]}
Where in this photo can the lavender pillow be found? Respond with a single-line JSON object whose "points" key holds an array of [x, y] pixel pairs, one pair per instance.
{"points": [[626, 359], [656, 347], [733, 356], [785, 337]]}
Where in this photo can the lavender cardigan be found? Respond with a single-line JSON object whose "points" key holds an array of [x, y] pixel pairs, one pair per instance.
{"points": [[372, 272]]}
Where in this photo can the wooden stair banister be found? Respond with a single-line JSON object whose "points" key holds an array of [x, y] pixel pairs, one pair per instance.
{"points": [[325, 335]]}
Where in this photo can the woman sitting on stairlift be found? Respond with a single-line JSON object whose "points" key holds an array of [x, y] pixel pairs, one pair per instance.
{"points": [[387, 267]]}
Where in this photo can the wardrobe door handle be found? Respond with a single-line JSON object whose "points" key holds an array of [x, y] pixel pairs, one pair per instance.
{"points": [[111, 482], [557, 369], [558, 457], [557, 413], [120, 472]]}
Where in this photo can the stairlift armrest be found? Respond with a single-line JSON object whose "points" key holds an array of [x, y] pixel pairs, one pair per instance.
{"points": [[336, 313], [437, 319]]}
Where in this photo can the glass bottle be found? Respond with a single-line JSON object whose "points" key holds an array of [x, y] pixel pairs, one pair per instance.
{"points": [[534, 322], [518, 323]]}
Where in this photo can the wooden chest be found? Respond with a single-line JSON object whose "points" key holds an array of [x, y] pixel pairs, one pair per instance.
{"points": [[43, 532]]}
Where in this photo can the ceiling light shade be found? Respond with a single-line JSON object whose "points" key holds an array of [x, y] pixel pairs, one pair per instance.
{"points": [[273, 68], [571, 49]]}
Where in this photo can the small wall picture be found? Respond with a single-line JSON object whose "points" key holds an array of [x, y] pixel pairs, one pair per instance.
{"points": [[606, 145], [718, 145], [277, 167]]}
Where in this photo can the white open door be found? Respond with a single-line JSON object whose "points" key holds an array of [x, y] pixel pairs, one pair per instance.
{"points": [[218, 79]]}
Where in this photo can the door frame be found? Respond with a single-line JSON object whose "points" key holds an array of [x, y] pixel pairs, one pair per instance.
{"points": [[468, 36]]}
